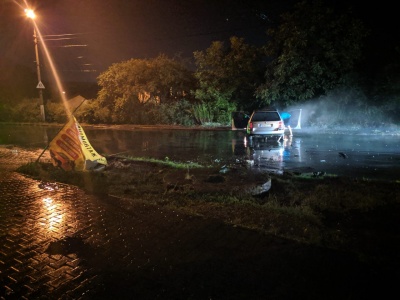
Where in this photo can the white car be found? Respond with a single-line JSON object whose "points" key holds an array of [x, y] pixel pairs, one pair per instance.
{"points": [[265, 124]]}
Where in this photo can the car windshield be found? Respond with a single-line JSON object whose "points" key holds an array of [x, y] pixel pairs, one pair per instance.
{"points": [[266, 116]]}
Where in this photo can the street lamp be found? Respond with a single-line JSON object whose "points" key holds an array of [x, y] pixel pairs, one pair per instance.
{"points": [[31, 14]]}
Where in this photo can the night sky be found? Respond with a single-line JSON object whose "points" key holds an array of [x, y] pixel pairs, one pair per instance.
{"points": [[86, 36]]}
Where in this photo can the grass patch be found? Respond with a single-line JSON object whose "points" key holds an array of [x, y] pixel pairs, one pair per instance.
{"points": [[166, 162]]}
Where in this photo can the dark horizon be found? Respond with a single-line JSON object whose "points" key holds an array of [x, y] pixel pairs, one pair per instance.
{"points": [[85, 38]]}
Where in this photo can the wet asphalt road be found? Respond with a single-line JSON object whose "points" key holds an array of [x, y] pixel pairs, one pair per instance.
{"points": [[58, 242]]}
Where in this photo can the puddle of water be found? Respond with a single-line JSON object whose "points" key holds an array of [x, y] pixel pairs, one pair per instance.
{"points": [[376, 156]]}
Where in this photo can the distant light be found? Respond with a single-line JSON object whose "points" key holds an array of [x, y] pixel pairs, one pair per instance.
{"points": [[30, 13]]}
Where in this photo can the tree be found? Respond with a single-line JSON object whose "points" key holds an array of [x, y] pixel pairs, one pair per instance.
{"points": [[386, 86], [228, 76], [312, 51], [127, 86]]}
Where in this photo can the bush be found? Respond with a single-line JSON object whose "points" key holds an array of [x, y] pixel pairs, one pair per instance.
{"points": [[178, 113], [27, 110]]}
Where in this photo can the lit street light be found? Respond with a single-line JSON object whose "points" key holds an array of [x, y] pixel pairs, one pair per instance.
{"points": [[31, 14]]}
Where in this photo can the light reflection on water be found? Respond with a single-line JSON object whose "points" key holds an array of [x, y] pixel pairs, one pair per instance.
{"points": [[55, 213], [374, 155]]}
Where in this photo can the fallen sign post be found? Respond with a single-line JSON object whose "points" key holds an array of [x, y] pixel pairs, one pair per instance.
{"points": [[70, 149]]}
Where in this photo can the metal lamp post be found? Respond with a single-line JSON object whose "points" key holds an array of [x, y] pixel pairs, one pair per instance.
{"points": [[40, 85]]}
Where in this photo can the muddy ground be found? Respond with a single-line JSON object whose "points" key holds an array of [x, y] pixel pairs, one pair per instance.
{"points": [[343, 253]]}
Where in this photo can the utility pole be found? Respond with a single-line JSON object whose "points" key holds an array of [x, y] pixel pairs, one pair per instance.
{"points": [[40, 85]]}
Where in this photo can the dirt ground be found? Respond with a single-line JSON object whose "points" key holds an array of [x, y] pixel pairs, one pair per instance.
{"points": [[356, 250], [233, 178]]}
